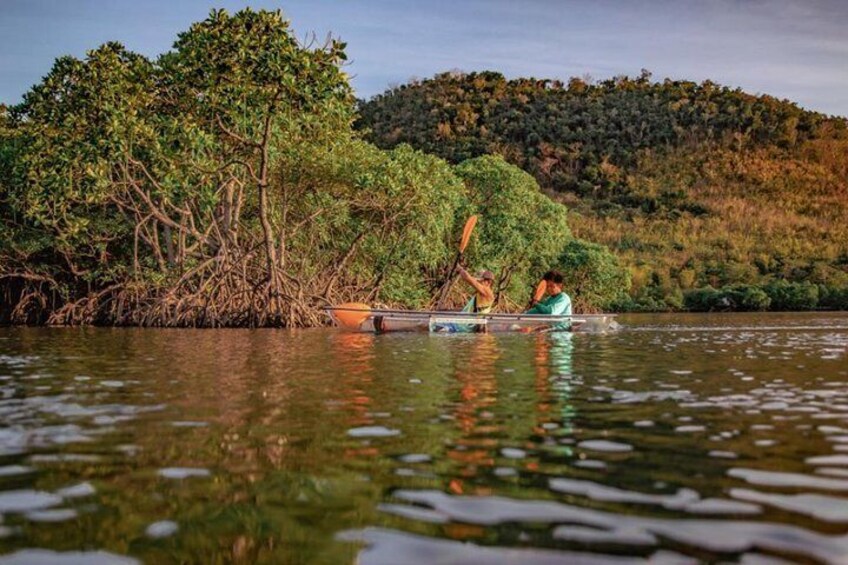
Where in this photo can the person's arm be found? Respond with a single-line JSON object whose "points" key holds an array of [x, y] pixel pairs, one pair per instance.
{"points": [[539, 292], [478, 286], [552, 306], [541, 307]]}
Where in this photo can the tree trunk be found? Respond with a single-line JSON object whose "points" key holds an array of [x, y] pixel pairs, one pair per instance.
{"points": [[169, 244], [267, 230]]}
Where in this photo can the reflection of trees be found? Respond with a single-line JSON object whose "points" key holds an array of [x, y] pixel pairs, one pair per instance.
{"points": [[478, 391], [497, 408], [284, 474], [353, 358], [263, 397], [353, 355]]}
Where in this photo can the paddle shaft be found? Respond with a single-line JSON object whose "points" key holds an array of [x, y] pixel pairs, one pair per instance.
{"points": [[446, 288], [463, 243]]}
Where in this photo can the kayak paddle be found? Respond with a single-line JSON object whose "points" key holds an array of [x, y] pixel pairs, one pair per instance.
{"points": [[540, 290], [351, 315], [463, 243]]}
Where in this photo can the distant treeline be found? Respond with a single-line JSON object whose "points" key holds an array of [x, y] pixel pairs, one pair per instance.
{"points": [[778, 295], [689, 184]]}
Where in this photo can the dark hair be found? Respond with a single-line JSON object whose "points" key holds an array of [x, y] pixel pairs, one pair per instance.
{"points": [[553, 276]]}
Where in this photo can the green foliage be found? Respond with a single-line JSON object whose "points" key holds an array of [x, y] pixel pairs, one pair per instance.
{"points": [[391, 213], [752, 298], [252, 71], [68, 132], [688, 184], [779, 295], [117, 170], [521, 232], [739, 298], [831, 298], [576, 137], [593, 275], [702, 299], [792, 296], [223, 184]]}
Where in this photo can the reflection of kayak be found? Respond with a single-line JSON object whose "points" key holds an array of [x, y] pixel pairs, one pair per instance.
{"points": [[362, 318]]}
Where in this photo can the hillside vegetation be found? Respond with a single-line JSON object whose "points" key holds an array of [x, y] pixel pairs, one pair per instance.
{"points": [[713, 198]]}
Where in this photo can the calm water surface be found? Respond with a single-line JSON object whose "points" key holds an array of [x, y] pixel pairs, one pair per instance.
{"points": [[702, 438]]}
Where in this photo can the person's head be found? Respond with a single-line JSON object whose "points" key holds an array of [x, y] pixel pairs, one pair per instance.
{"points": [[554, 280], [486, 277]]}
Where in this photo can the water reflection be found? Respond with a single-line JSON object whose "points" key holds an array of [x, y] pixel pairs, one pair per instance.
{"points": [[478, 392], [686, 438], [558, 356]]}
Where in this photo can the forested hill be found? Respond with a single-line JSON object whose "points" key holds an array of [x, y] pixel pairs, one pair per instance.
{"points": [[691, 185]]}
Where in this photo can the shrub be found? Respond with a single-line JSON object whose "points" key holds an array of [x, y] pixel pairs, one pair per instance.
{"points": [[789, 296], [704, 299], [742, 298], [832, 298], [593, 275]]}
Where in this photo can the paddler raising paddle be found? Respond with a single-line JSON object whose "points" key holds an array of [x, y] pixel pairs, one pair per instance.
{"points": [[481, 303], [484, 295]]}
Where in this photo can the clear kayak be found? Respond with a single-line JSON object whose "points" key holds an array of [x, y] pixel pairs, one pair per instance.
{"points": [[362, 318]]}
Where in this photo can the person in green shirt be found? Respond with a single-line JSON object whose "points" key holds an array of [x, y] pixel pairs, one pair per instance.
{"points": [[556, 303]]}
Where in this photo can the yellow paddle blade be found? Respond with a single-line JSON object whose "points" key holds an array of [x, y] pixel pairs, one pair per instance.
{"points": [[539, 293], [466, 232], [351, 315]]}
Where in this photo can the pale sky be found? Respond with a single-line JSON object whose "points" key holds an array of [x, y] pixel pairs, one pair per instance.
{"points": [[795, 49]]}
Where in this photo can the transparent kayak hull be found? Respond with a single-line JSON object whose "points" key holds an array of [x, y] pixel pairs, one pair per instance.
{"points": [[390, 321]]}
